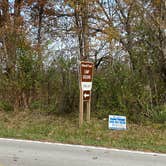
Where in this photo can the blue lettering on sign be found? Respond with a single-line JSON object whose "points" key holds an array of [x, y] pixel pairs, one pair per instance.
{"points": [[118, 121]]}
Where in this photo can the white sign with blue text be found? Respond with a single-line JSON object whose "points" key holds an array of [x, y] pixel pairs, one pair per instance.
{"points": [[117, 122]]}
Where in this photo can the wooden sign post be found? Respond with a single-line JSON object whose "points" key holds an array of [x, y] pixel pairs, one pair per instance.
{"points": [[86, 75]]}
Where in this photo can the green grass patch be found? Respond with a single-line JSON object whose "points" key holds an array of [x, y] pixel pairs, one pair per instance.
{"points": [[54, 128]]}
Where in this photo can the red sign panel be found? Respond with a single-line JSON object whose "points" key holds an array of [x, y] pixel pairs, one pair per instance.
{"points": [[86, 71], [86, 95]]}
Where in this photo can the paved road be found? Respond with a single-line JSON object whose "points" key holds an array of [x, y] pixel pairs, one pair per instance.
{"points": [[28, 153]]}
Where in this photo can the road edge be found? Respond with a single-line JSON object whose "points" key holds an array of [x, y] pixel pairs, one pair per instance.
{"points": [[84, 146]]}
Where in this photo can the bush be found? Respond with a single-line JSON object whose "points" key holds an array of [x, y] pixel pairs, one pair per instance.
{"points": [[159, 114], [6, 106]]}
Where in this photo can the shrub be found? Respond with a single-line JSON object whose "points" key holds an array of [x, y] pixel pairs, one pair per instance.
{"points": [[159, 114], [6, 106]]}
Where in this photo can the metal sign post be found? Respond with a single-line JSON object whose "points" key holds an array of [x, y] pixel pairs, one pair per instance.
{"points": [[86, 74]]}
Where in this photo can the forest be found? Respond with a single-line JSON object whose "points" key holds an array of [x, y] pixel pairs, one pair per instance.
{"points": [[43, 41]]}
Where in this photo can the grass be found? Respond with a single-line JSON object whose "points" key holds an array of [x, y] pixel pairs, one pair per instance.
{"points": [[54, 128]]}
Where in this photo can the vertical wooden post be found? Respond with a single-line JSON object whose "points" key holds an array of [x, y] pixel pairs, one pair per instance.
{"points": [[88, 110], [86, 71], [81, 108]]}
